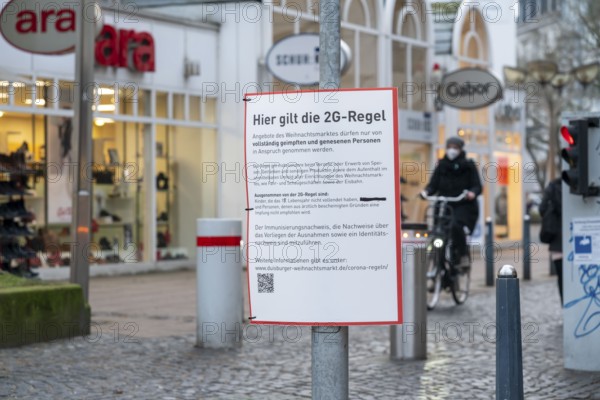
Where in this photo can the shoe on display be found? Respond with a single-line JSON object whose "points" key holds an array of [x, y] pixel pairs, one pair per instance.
{"points": [[108, 217], [163, 216], [161, 240], [104, 244], [162, 181]]}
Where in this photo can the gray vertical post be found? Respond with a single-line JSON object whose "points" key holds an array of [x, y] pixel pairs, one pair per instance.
{"points": [[489, 252], [526, 248], [329, 344], [82, 145], [409, 340], [509, 358]]}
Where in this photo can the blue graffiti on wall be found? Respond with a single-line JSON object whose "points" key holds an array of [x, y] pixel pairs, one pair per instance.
{"points": [[589, 278]]}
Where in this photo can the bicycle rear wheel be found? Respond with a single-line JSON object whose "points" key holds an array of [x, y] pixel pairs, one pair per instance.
{"points": [[461, 281], [434, 279]]}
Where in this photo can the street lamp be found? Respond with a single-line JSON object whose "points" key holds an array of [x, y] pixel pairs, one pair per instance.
{"points": [[542, 71], [586, 74], [547, 72], [517, 76], [561, 80]]}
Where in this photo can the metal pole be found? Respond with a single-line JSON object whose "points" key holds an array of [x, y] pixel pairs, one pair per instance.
{"points": [[509, 357], [82, 146], [489, 252], [409, 340], [329, 344], [526, 248]]}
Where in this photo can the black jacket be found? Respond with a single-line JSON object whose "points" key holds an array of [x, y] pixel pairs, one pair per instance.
{"points": [[451, 178], [553, 194]]}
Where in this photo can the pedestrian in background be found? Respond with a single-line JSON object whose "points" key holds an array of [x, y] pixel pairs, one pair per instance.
{"points": [[551, 230]]}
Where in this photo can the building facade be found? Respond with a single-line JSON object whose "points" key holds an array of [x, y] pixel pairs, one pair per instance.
{"points": [[468, 37], [168, 139]]}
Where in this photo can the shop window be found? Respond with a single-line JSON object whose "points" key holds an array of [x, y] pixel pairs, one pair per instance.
{"points": [[356, 12], [472, 47], [415, 173], [409, 27], [128, 100], [442, 134], [419, 78], [209, 110], [507, 204], [162, 105], [105, 100], [46, 93], [408, 20], [195, 108], [474, 37], [368, 51], [307, 26], [283, 26], [400, 72], [22, 94], [178, 106], [144, 102]]}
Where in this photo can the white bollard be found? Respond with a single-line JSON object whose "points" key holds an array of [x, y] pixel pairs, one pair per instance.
{"points": [[219, 283]]}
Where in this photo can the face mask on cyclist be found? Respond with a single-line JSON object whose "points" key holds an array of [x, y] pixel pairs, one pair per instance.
{"points": [[452, 153]]}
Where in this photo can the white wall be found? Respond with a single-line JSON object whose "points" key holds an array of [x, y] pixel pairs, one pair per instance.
{"points": [[241, 49], [502, 31]]}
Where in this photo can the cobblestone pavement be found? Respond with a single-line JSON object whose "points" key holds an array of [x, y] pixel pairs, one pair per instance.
{"points": [[274, 362]]}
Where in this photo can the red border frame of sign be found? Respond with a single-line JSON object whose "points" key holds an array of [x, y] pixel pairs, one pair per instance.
{"points": [[394, 92]]}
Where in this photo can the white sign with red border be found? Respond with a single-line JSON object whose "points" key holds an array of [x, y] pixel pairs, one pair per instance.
{"points": [[41, 26], [323, 198]]}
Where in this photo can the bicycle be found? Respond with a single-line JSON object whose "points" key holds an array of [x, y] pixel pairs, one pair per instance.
{"points": [[441, 271]]}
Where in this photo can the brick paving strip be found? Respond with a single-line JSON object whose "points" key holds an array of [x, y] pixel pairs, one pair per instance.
{"points": [[118, 362]]}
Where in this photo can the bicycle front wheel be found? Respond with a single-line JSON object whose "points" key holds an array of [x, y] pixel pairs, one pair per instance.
{"points": [[434, 279], [461, 280]]}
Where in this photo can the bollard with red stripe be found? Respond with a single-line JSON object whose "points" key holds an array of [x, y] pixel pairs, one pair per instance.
{"points": [[219, 283]]}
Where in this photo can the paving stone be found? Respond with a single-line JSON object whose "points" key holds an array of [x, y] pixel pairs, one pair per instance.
{"points": [[458, 367]]}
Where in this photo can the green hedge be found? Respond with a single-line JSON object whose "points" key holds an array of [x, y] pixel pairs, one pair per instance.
{"points": [[31, 313]]}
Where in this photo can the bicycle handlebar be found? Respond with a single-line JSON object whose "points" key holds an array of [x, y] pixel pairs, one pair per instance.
{"points": [[447, 199]]}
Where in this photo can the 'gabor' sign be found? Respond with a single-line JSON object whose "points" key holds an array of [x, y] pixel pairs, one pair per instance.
{"points": [[470, 88]]}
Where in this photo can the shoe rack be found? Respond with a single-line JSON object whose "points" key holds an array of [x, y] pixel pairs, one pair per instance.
{"points": [[15, 230], [114, 202]]}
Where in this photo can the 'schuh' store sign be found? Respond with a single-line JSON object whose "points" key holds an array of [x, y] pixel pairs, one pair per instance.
{"points": [[49, 28]]}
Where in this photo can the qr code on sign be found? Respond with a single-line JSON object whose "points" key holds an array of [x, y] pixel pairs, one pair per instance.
{"points": [[266, 283]]}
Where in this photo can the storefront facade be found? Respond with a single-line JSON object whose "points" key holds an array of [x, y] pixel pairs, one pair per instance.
{"points": [[494, 135], [154, 133]]}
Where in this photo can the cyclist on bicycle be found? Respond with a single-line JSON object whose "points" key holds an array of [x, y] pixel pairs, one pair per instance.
{"points": [[454, 174]]}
